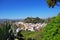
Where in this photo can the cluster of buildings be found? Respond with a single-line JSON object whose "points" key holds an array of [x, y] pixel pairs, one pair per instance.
{"points": [[29, 26]]}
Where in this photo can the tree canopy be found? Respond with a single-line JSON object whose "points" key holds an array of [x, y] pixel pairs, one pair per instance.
{"points": [[52, 3]]}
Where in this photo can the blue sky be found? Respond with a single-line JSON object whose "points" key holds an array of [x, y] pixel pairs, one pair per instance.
{"points": [[15, 9]]}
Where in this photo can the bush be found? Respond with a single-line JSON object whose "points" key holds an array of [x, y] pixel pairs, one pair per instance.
{"points": [[52, 30]]}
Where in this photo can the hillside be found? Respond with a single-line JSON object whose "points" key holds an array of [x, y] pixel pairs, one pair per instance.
{"points": [[33, 20], [52, 30]]}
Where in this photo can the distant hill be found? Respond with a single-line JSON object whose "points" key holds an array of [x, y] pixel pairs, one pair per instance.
{"points": [[10, 20]]}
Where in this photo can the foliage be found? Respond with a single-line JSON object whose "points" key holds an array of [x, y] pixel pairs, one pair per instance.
{"points": [[4, 31], [52, 30], [20, 36], [52, 3]]}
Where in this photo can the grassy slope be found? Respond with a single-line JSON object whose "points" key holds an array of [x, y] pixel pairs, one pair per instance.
{"points": [[28, 34]]}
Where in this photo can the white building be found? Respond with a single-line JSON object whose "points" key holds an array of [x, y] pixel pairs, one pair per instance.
{"points": [[30, 26]]}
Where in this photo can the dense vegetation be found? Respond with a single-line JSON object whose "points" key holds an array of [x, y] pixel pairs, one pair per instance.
{"points": [[6, 32], [52, 30], [33, 20]]}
